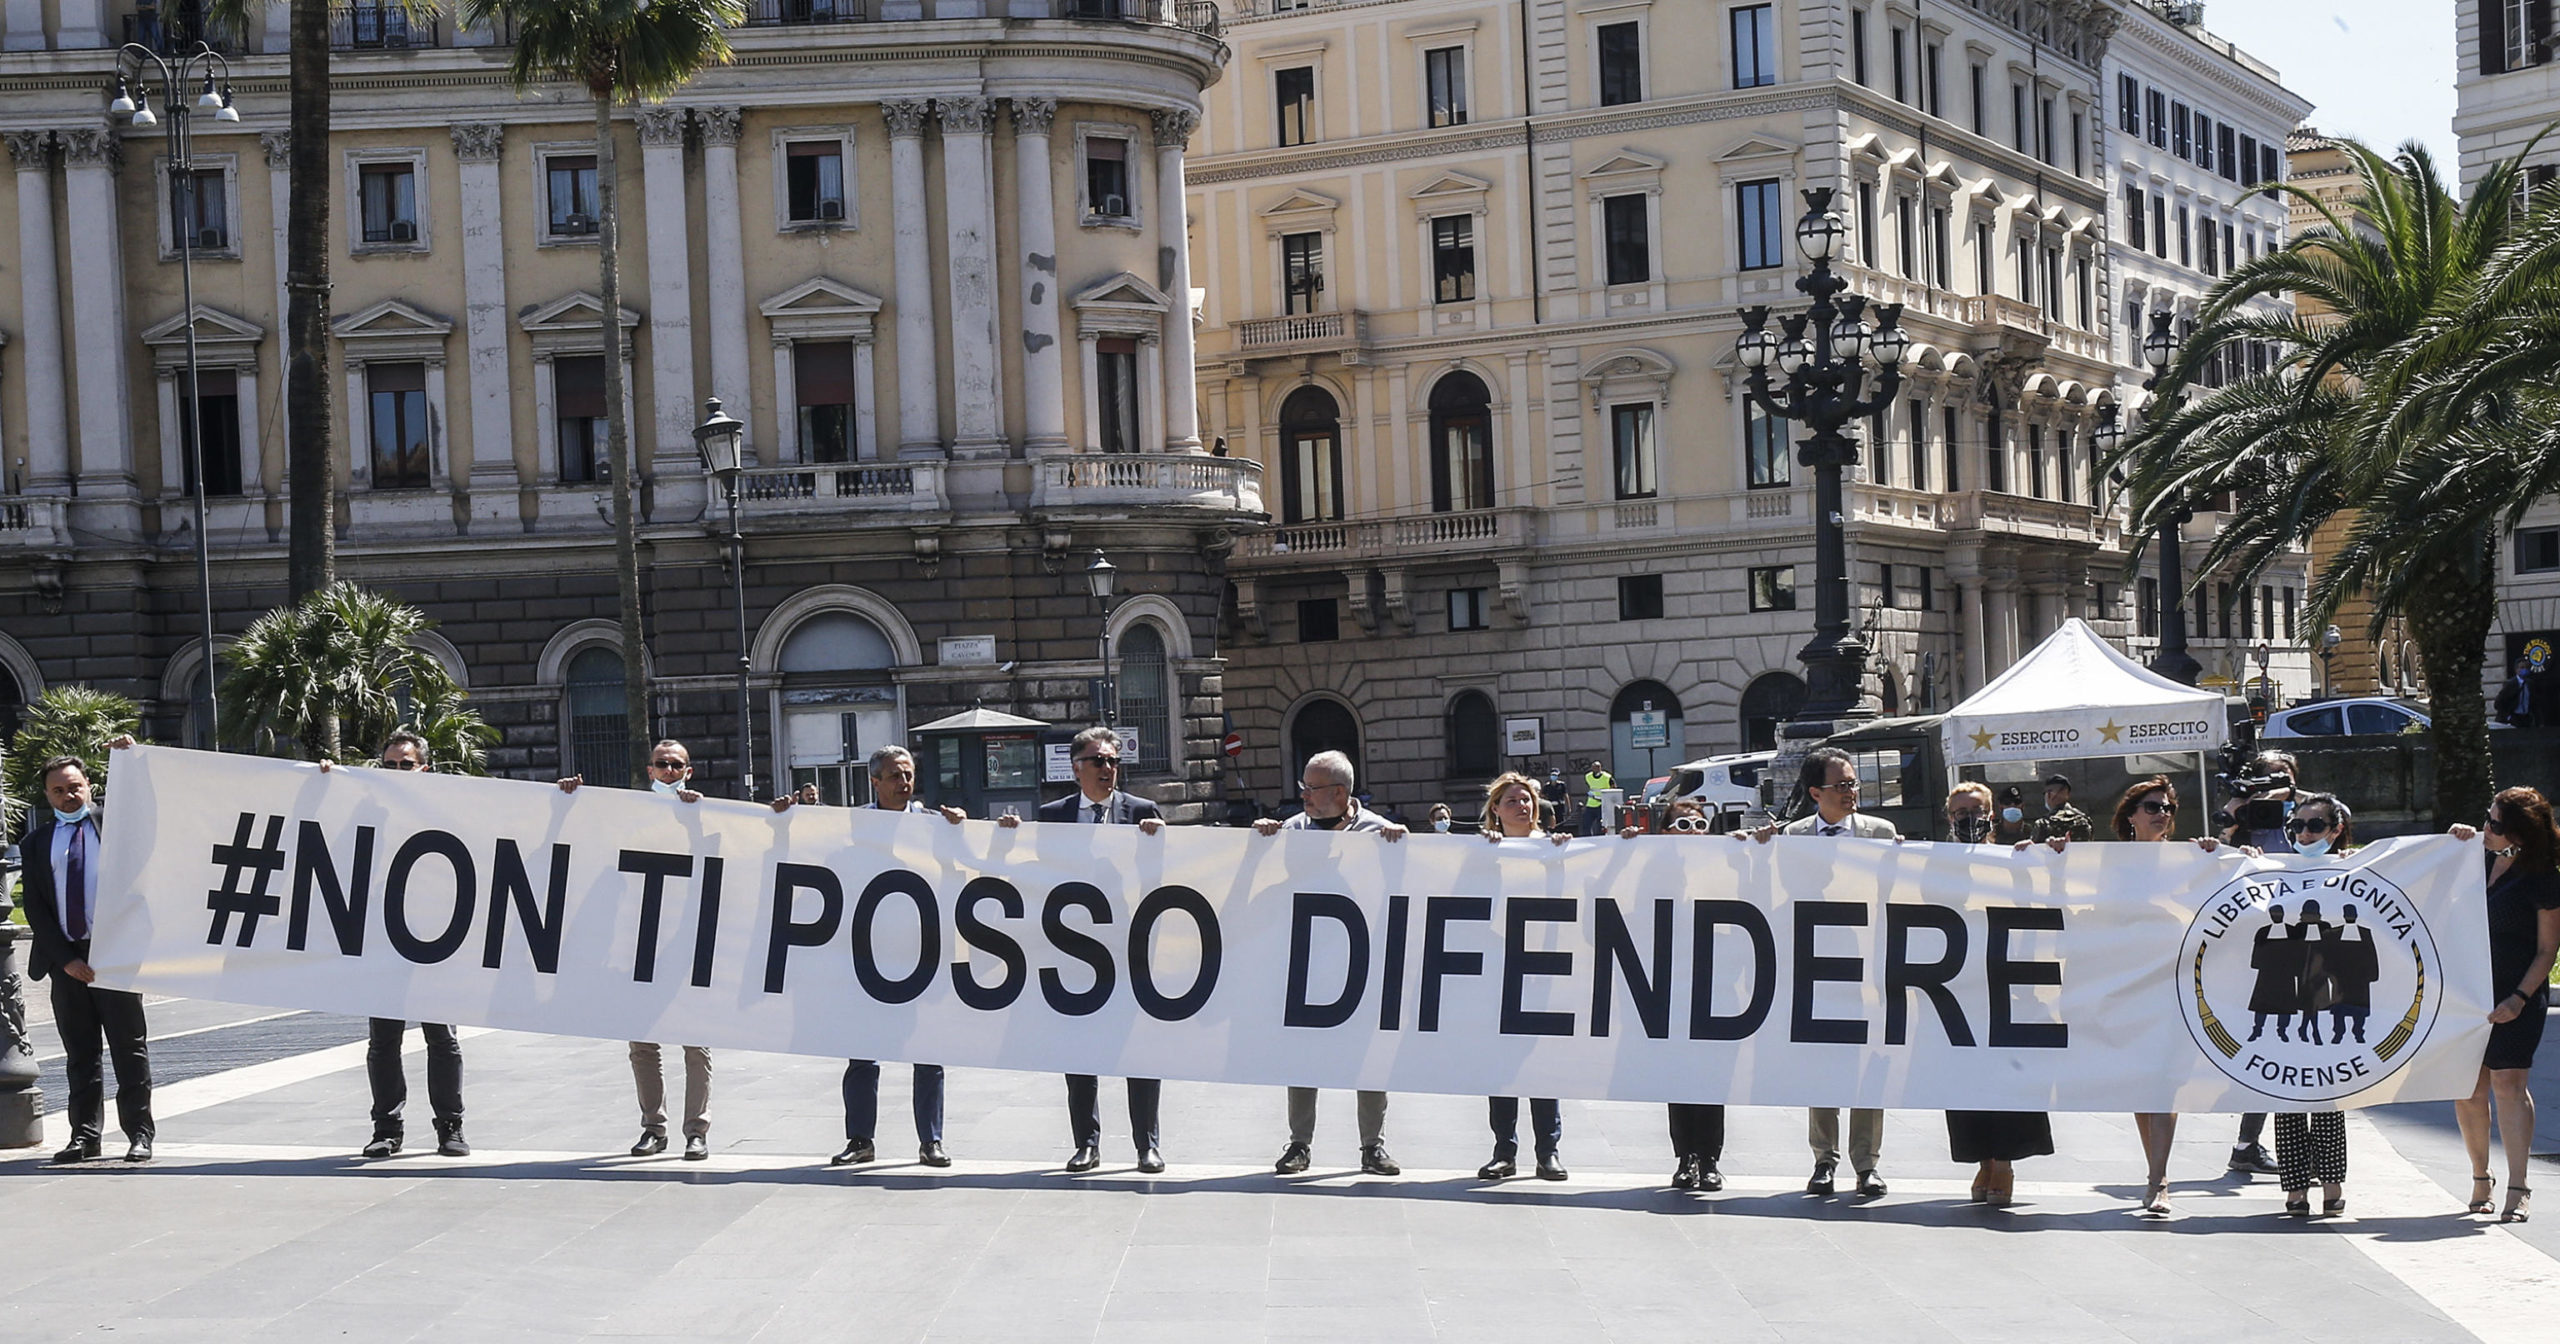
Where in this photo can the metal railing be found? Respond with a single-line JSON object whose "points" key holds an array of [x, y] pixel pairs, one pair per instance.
{"points": [[1198, 16], [779, 13], [382, 28]]}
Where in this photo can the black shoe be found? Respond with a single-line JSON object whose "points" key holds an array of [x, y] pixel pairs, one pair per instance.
{"points": [[1150, 1161], [139, 1150], [2253, 1158], [1711, 1180], [1500, 1168], [1550, 1167], [856, 1152], [1086, 1159], [1293, 1159], [1824, 1179], [1870, 1185], [1375, 1162], [1685, 1176], [79, 1150], [383, 1145], [651, 1144], [697, 1147], [930, 1153], [449, 1141]]}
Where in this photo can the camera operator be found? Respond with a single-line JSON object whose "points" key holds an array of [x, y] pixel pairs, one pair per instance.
{"points": [[2261, 801]]}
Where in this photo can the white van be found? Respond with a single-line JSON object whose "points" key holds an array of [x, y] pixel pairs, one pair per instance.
{"points": [[1720, 783]]}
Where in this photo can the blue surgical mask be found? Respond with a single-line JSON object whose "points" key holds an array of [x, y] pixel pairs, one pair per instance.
{"points": [[1441, 825], [71, 818], [2011, 814], [662, 786], [2312, 847]]}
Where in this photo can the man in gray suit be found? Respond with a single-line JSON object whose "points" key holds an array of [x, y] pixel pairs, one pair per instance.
{"points": [[1829, 779]]}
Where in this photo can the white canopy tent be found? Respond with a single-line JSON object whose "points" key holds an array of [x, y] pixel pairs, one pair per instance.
{"points": [[2074, 695]]}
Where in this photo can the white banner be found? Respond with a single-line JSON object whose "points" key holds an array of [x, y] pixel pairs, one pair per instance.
{"points": [[2114, 977]]}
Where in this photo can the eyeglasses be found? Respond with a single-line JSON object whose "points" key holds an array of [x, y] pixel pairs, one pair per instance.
{"points": [[669, 765], [2160, 809], [2307, 826], [1850, 784], [403, 763], [1305, 787], [1688, 824], [1100, 762]]}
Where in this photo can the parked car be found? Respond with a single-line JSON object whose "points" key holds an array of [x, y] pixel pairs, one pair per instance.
{"points": [[1719, 783], [2356, 716]]}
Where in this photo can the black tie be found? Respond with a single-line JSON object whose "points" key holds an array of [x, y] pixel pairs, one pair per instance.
{"points": [[1097, 814], [1832, 830]]}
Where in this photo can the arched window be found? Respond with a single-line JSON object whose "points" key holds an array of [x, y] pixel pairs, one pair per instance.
{"points": [[13, 703], [198, 729], [1146, 697], [1322, 725], [1767, 702], [1645, 735], [1461, 444], [599, 721], [838, 704], [1310, 457], [1475, 737]]}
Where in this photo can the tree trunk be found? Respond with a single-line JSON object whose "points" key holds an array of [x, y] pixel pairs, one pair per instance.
{"points": [[310, 506], [2452, 633], [617, 445]]}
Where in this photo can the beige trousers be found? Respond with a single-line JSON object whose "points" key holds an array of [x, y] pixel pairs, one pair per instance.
{"points": [[646, 1074]]}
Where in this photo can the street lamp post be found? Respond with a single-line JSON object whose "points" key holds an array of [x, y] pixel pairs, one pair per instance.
{"points": [[2159, 350], [1098, 580], [2330, 639], [1823, 361], [721, 438], [135, 109]]}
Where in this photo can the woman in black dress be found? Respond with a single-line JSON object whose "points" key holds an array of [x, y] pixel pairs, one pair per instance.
{"points": [[1697, 1128], [1992, 1140], [2524, 933]]}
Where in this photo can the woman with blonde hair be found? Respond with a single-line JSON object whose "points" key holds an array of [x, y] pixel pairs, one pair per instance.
{"points": [[1511, 813]]}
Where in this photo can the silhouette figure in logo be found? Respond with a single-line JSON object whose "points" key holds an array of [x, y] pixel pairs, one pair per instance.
{"points": [[2317, 989], [2353, 967], [2276, 956]]}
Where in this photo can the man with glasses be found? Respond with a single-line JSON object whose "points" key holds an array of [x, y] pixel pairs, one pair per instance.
{"points": [[1324, 787], [1098, 801], [893, 789], [1830, 780], [670, 776], [406, 751]]}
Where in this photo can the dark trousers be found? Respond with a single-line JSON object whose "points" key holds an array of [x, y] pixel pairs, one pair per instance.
{"points": [[1546, 1125], [862, 1100], [391, 1085], [1084, 1109], [94, 1021], [1697, 1131], [2253, 1125]]}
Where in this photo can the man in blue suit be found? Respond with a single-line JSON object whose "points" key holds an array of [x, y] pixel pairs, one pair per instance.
{"points": [[60, 885]]}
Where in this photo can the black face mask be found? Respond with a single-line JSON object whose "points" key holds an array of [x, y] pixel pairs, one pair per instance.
{"points": [[1972, 830]]}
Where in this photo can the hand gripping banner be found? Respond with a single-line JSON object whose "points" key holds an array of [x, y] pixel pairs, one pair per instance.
{"points": [[1803, 971]]}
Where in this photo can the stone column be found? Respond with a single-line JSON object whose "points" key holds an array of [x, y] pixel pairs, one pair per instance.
{"points": [[969, 220], [492, 480], [79, 25], [99, 334], [22, 25], [730, 380], [252, 470], [48, 449], [1173, 274], [1044, 374], [919, 379], [279, 150], [786, 420], [670, 294], [1972, 630]]}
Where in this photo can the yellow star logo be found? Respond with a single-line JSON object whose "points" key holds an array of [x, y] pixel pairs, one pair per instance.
{"points": [[2111, 731], [1982, 740]]}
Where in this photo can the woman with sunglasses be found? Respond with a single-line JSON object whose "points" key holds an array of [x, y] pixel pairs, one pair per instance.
{"points": [[2524, 933], [1992, 1140], [1511, 813], [2336, 979]]}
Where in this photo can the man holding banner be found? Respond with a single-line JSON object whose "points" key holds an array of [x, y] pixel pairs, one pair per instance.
{"points": [[61, 889]]}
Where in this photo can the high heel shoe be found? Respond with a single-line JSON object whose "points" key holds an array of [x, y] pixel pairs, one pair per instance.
{"points": [[2519, 1205], [2482, 1188], [2299, 1205], [2155, 1198]]}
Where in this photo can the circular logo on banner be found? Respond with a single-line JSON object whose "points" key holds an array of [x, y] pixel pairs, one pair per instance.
{"points": [[2309, 985]]}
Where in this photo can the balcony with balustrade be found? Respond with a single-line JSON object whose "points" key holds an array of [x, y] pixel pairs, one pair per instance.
{"points": [[1408, 537], [34, 525], [841, 495], [1118, 484], [1344, 333], [1198, 16]]}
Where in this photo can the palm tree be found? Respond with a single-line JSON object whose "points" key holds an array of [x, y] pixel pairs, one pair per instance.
{"points": [[2348, 419], [64, 721], [347, 657], [619, 51]]}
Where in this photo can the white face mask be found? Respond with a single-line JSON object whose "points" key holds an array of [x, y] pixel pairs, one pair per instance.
{"points": [[662, 786], [2315, 847], [1441, 825], [2011, 814], [71, 818]]}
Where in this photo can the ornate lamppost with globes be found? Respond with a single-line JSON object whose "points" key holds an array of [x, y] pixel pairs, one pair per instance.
{"points": [[721, 440], [134, 108], [1823, 360], [2159, 350]]}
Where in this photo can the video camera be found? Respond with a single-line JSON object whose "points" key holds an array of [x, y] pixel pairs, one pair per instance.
{"points": [[2257, 811]]}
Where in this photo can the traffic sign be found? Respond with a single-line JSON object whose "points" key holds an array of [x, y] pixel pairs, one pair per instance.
{"points": [[1233, 745]]}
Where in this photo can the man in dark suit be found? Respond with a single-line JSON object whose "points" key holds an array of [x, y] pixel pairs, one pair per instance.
{"points": [[60, 885], [1828, 783], [1098, 801]]}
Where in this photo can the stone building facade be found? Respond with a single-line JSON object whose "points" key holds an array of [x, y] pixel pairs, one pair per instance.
{"points": [[1472, 272], [929, 250]]}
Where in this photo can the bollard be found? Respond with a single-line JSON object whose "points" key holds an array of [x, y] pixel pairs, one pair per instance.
{"points": [[21, 1101]]}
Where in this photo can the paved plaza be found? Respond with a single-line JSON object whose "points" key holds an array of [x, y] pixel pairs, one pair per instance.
{"points": [[258, 1221]]}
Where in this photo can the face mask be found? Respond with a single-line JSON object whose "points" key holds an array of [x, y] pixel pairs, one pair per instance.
{"points": [[1972, 830], [2011, 814], [2314, 847], [662, 786], [1441, 825], [71, 818]]}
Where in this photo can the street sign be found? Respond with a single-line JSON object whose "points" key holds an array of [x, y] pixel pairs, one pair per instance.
{"points": [[966, 651], [1057, 762], [1649, 727], [1523, 737], [1233, 745]]}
